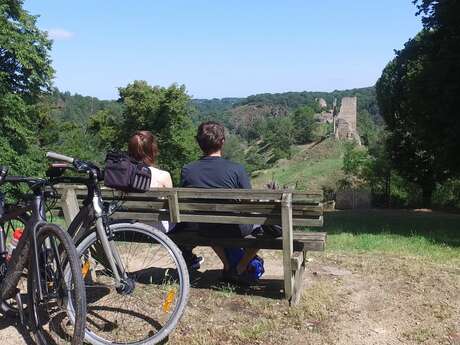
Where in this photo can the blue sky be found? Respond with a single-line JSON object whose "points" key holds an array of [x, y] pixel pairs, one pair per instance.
{"points": [[223, 48]]}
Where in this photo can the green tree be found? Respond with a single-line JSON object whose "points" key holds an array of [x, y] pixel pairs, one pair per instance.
{"points": [[367, 129], [412, 142], [25, 73], [278, 134], [18, 146], [25, 66], [75, 141], [254, 159], [304, 125], [357, 165], [234, 148], [417, 95], [105, 124]]}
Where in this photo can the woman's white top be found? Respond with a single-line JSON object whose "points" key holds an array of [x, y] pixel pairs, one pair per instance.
{"points": [[161, 179]]}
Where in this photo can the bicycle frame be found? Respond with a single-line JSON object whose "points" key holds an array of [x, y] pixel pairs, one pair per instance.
{"points": [[93, 212]]}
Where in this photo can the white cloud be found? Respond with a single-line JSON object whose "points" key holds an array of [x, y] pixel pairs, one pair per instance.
{"points": [[60, 34]]}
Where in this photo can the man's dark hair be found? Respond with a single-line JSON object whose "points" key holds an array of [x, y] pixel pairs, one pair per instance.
{"points": [[210, 137]]}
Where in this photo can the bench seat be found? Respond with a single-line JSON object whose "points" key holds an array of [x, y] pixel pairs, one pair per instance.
{"points": [[302, 241]]}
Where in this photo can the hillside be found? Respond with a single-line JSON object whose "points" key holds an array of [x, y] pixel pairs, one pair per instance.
{"points": [[232, 112], [235, 112], [312, 167]]}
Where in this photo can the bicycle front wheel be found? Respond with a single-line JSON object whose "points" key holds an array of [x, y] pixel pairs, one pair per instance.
{"points": [[58, 285], [156, 287]]}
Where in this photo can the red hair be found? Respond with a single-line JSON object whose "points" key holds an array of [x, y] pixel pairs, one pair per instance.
{"points": [[143, 147]]}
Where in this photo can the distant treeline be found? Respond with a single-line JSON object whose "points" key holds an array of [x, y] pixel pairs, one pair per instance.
{"points": [[77, 108], [217, 107]]}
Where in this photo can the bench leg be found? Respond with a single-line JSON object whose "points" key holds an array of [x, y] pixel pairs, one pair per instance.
{"points": [[298, 281], [298, 286], [288, 248]]}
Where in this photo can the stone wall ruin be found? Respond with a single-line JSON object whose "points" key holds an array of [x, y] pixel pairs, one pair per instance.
{"points": [[345, 122]]}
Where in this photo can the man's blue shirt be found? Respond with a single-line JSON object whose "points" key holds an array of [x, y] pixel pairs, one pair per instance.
{"points": [[214, 172], [217, 172]]}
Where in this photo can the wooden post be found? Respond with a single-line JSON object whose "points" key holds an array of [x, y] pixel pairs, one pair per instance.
{"points": [[286, 220], [173, 202], [69, 204]]}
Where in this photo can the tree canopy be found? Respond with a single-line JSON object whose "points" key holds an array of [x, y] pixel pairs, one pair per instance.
{"points": [[417, 95], [25, 73], [25, 65]]}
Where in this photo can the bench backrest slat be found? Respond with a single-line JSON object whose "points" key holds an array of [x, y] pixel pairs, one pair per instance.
{"points": [[149, 206], [200, 193], [238, 206], [217, 218], [269, 209]]}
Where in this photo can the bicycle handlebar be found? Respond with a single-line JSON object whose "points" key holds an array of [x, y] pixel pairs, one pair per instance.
{"points": [[59, 157], [33, 182], [78, 165]]}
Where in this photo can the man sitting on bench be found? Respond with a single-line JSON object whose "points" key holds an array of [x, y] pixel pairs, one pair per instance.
{"points": [[213, 171]]}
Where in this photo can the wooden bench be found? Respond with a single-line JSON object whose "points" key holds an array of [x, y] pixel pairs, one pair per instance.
{"points": [[229, 206]]}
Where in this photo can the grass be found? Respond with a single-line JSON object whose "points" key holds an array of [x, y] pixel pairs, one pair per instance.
{"points": [[317, 300], [226, 290], [310, 167], [257, 330], [432, 235]]}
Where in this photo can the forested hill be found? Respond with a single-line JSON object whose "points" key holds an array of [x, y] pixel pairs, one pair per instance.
{"points": [[77, 108], [285, 102]]}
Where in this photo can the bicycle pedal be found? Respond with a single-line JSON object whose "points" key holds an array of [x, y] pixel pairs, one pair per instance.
{"points": [[20, 308]]}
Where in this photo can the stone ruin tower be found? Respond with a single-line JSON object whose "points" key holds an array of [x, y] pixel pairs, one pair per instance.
{"points": [[345, 121]]}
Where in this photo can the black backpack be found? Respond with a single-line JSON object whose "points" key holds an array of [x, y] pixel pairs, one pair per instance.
{"points": [[126, 174]]}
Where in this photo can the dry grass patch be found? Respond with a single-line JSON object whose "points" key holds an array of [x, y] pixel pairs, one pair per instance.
{"points": [[384, 299], [317, 304]]}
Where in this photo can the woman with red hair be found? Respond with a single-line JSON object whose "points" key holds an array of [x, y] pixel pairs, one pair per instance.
{"points": [[143, 147]]}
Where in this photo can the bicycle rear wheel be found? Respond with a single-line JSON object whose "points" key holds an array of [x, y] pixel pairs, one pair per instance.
{"points": [[155, 296], [61, 285]]}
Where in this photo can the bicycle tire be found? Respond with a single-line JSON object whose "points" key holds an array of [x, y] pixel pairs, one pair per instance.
{"points": [[137, 229], [64, 257]]}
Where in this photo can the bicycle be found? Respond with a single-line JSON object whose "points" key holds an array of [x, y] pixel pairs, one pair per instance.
{"points": [[136, 280], [46, 257]]}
